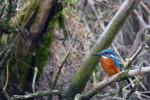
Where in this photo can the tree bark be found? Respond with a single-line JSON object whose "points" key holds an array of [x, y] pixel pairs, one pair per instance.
{"points": [[33, 42]]}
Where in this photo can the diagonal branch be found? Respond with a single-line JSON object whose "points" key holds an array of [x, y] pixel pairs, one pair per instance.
{"points": [[59, 71], [115, 78], [127, 65]]}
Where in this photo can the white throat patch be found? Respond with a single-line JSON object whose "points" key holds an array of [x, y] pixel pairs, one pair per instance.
{"points": [[107, 56], [104, 57]]}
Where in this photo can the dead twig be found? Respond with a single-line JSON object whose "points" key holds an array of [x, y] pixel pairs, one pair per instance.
{"points": [[36, 94], [34, 79], [2, 11], [60, 68], [131, 59]]}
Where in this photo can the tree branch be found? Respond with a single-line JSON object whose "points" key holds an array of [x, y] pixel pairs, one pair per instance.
{"points": [[127, 65], [36, 94], [115, 78]]}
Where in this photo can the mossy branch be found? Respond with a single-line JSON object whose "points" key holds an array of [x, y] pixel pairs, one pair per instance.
{"points": [[89, 63]]}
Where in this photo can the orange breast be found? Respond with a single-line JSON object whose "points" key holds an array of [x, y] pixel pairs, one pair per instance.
{"points": [[108, 66]]}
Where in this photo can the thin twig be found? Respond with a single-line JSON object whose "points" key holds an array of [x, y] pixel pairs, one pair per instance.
{"points": [[2, 10], [59, 71], [7, 53], [7, 76], [145, 7], [34, 79], [36, 94], [100, 20], [127, 65], [141, 20], [118, 54]]}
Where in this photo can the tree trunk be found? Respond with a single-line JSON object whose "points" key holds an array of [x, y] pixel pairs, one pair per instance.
{"points": [[35, 36]]}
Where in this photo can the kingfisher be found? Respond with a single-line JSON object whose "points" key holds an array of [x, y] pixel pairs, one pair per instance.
{"points": [[109, 62]]}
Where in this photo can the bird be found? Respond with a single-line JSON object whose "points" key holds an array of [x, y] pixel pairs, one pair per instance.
{"points": [[109, 62]]}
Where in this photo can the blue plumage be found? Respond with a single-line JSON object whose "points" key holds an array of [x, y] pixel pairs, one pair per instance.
{"points": [[110, 54], [116, 62]]}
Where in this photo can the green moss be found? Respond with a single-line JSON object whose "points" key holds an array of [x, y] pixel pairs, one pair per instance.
{"points": [[32, 7], [70, 1], [123, 76], [41, 52], [27, 13]]}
